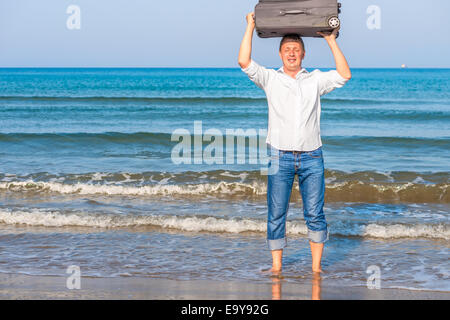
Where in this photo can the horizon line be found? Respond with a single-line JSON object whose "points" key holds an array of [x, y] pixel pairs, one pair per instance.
{"points": [[238, 68]]}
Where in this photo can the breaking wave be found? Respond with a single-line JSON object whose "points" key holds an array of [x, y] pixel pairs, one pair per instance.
{"points": [[54, 218], [348, 191]]}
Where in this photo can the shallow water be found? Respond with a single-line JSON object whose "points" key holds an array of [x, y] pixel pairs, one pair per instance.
{"points": [[419, 264], [86, 177]]}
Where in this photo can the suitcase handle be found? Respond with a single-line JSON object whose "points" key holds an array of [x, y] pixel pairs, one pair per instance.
{"points": [[285, 12]]}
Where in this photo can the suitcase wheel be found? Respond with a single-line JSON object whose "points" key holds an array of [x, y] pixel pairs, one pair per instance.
{"points": [[334, 22]]}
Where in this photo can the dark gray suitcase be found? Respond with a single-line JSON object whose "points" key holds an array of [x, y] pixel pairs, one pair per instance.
{"points": [[276, 18]]}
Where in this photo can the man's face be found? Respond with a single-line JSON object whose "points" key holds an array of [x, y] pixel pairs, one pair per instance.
{"points": [[292, 55]]}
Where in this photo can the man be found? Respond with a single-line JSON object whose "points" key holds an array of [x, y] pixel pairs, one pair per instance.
{"points": [[293, 96]]}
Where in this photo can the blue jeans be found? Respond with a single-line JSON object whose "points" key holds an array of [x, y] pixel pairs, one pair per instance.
{"points": [[309, 167]]}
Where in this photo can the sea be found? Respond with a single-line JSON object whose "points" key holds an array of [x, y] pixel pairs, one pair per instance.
{"points": [[90, 175]]}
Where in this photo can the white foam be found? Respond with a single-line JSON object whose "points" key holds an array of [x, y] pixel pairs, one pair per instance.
{"points": [[164, 181], [436, 231], [330, 180], [387, 175], [164, 188], [48, 218], [9, 177], [54, 218], [97, 176], [242, 176], [158, 189], [419, 180]]}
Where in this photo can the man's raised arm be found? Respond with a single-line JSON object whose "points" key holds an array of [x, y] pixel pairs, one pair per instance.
{"points": [[245, 53], [341, 63]]}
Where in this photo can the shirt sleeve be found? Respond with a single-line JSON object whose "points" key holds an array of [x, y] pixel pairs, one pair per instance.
{"points": [[330, 80], [259, 75]]}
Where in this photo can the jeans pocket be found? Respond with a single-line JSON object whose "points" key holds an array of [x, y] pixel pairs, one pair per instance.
{"points": [[316, 154]]}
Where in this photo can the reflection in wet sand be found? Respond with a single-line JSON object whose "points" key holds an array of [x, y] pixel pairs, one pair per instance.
{"points": [[316, 286], [277, 280], [276, 285]]}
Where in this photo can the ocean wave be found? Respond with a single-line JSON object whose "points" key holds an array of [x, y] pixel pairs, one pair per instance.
{"points": [[337, 113], [349, 191], [156, 100], [52, 218], [370, 115], [154, 139], [377, 101], [164, 177], [212, 99], [386, 141], [221, 188], [150, 138]]}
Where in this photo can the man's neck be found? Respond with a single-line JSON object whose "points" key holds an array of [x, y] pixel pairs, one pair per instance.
{"points": [[293, 73]]}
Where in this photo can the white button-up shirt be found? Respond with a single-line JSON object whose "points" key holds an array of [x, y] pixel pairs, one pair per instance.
{"points": [[294, 104]]}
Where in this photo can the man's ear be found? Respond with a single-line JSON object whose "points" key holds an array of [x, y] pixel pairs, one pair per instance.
{"points": [[303, 55]]}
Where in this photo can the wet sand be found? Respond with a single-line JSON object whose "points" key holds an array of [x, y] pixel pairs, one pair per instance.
{"points": [[13, 286]]}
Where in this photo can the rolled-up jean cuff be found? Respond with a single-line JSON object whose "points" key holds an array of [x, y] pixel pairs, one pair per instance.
{"points": [[319, 236], [277, 244]]}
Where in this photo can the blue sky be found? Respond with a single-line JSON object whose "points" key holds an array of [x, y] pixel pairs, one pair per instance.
{"points": [[207, 33]]}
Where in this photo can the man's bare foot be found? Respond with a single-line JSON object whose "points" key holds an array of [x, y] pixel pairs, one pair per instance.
{"points": [[275, 270], [271, 270], [317, 270], [276, 273], [272, 273]]}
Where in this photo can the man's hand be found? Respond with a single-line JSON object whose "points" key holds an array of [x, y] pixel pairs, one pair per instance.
{"points": [[251, 19], [330, 36]]}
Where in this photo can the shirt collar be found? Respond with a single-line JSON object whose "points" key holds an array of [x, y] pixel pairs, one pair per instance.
{"points": [[303, 70]]}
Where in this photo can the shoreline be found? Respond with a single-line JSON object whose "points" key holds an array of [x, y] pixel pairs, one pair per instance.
{"points": [[25, 287]]}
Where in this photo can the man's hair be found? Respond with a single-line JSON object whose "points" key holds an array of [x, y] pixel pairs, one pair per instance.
{"points": [[292, 38]]}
